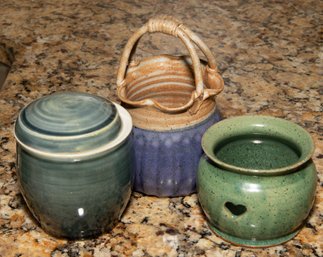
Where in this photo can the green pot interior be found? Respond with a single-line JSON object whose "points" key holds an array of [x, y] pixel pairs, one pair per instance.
{"points": [[257, 144]]}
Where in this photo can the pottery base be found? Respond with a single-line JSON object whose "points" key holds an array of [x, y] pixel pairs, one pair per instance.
{"points": [[252, 243]]}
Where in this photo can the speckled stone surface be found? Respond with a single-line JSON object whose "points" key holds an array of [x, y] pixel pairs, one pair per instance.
{"points": [[268, 53]]}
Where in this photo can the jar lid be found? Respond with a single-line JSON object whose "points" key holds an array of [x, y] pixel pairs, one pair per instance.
{"points": [[72, 124]]}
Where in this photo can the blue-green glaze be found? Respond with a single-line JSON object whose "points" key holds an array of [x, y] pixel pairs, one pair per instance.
{"points": [[68, 122], [76, 182], [249, 204]]}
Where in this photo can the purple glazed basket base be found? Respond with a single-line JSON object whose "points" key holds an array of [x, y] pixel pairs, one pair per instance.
{"points": [[167, 162]]}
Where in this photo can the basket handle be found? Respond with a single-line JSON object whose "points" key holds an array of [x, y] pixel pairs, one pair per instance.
{"points": [[170, 26]]}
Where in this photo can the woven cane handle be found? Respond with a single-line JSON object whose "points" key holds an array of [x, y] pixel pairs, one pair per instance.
{"points": [[170, 26]]}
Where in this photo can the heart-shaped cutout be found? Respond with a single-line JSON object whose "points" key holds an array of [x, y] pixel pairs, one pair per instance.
{"points": [[236, 209]]}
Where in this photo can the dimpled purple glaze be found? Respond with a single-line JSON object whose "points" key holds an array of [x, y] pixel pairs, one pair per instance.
{"points": [[167, 162]]}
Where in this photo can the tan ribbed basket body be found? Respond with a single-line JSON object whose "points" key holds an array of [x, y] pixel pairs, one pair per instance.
{"points": [[168, 92], [170, 81]]}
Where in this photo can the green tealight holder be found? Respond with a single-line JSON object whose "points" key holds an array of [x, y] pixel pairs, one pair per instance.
{"points": [[256, 182]]}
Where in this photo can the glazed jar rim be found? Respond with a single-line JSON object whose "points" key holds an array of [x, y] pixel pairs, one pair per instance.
{"points": [[208, 145], [125, 130]]}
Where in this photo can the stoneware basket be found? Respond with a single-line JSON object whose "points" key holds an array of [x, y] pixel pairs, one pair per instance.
{"points": [[172, 102], [256, 181]]}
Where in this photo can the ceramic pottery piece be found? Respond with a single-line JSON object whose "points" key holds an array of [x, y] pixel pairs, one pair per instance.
{"points": [[74, 162], [163, 167], [6, 59], [256, 182], [172, 102]]}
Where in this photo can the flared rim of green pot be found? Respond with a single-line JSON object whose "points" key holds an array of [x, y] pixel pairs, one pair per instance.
{"points": [[253, 124]]}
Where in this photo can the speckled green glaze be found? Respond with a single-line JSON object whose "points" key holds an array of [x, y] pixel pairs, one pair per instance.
{"points": [[74, 163], [246, 202]]}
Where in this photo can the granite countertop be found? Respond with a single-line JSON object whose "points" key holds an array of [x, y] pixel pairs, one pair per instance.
{"points": [[268, 53]]}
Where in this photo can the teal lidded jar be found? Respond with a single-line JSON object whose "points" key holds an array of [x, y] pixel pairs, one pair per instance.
{"points": [[74, 162], [256, 182]]}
